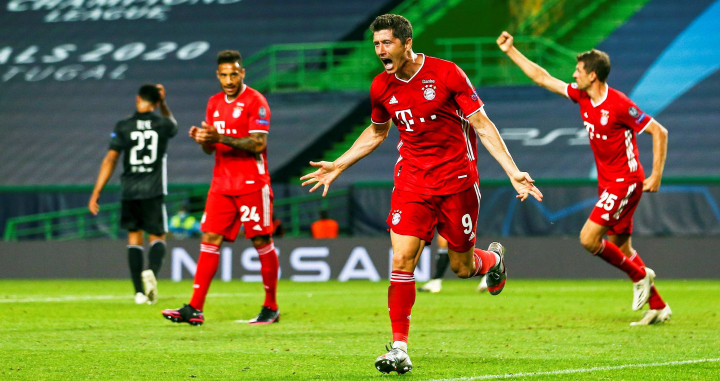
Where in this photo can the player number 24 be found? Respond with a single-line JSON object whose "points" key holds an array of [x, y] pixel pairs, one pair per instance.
{"points": [[249, 214]]}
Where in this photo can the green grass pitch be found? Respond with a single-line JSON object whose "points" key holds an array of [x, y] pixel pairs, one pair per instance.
{"points": [[535, 330]]}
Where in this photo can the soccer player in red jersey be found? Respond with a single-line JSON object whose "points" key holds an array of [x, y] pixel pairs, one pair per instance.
{"points": [[437, 112], [235, 129], [612, 121]]}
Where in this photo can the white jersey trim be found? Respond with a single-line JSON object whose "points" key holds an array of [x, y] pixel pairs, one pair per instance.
{"points": [[238, 96], [474, 112], [374, 122], [607, 91], [258, 131], [267, 217], [646, 126], [416, 73]]}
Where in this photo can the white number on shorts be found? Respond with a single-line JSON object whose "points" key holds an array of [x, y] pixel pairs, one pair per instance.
{"points": [[249, 214], [607, 201], [467, 223]]}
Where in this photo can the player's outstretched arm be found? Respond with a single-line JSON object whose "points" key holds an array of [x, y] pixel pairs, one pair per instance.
{"points": [[327, 172], [534, 71], [660, 141], [106, 170], [493, 142]]}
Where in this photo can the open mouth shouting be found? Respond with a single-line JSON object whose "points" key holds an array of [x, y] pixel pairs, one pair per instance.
{"points": [[388, 63]]}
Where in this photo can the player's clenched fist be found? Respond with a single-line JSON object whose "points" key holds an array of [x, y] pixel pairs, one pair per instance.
{"points": [[505, 41]]}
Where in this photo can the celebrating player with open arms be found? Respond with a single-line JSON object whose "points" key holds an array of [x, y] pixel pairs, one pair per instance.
{"points": [[437, 112], [612, 121]]}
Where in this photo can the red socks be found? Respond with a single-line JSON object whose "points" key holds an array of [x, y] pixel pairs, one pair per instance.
{"points": [[269, 270], [484, 260], [612, 255], [206, 267], [655, 301], [401, 297]]}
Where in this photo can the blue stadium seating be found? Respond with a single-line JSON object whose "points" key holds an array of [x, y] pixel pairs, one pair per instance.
{"points": [[55, 125], [633, 49]]}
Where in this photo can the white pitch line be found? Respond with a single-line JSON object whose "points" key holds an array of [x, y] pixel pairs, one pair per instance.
{"points": [[580, 370], [88, 298]]}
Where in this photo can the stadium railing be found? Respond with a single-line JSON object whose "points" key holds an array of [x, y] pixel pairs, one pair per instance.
{"points": [[340, 65], [351, 65], [486, 65], [297, 213]]}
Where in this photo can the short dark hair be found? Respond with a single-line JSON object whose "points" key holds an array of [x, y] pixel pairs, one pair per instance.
{"points": [[400, 26], [596, 61], [150, 93], [229, 56]]}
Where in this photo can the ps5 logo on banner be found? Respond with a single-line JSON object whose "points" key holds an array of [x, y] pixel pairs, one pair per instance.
{"points": [[106, 10]]}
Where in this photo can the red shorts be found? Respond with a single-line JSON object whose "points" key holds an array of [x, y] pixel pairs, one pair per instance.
{"points": [[454, 215], [224, 214], [616, 207]]}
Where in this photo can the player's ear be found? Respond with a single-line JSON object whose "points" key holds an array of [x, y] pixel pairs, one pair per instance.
{"points": [[593, 76], [408, 44]]}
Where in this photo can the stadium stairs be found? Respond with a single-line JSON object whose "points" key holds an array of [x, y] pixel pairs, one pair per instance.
{"points": [[575, 25]]}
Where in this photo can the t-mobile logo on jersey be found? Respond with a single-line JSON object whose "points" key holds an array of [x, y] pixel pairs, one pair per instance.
{"points": [[406, 118]]}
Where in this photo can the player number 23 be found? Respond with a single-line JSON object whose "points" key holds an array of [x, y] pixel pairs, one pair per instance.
{"points": [[607, 201], [147, 140]]}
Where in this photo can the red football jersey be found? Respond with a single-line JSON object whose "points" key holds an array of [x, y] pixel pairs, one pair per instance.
{"points": [[236, 171], [612, 126], [437, 144]]}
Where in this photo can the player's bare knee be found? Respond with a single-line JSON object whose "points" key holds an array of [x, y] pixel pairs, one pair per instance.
{"points": [[591, 244], [260, 240]]}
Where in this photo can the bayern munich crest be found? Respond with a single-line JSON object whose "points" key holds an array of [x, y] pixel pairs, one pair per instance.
{"points": [[429, 92], [396, 217], [604, 117]]}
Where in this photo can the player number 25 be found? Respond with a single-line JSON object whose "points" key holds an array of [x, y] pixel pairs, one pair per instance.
{"points": [[607, 201]]}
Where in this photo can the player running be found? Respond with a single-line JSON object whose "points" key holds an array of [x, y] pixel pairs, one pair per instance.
{"points": [[435, 108], [612, 121]]}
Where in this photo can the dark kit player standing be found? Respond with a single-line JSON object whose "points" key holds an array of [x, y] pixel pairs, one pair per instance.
{"points": [[142, 140]]}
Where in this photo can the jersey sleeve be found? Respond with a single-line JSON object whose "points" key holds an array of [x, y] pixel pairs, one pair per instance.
{"points": [[379, 114], [117, 139], [463, 91], [572, 92], [630, 115], [208, 111], [259, 116], [171, 126]]}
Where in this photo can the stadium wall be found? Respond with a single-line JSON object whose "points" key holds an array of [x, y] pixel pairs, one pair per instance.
{"points": [[311, 260]]}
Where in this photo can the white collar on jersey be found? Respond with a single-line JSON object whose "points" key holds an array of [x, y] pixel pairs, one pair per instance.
{"points": [[416, 73], [238, 96], [607, 90]]}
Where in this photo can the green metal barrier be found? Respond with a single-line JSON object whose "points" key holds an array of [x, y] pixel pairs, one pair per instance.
{"points": [[332, 66], [485, 64], [297, 213]]}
